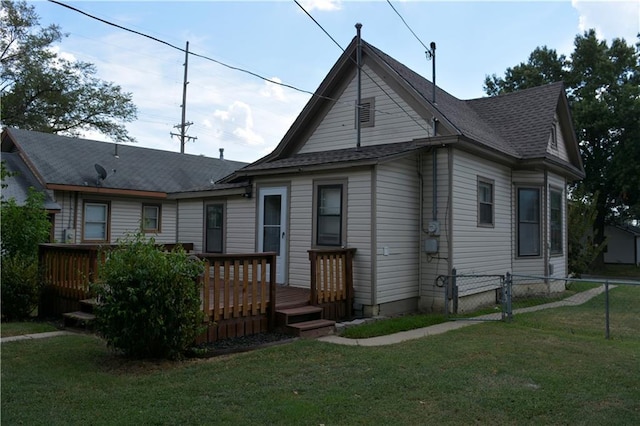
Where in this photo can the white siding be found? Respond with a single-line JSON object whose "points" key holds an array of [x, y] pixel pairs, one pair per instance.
{"points": [[392, 123], [191, 226], [397, 233], [240, 216], [359, 232], [433, 265], [480, 249], [300, 230]]}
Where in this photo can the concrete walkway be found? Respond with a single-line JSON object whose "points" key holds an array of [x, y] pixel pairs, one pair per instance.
{"points": [[576, 299], [35, 336], [391, 339]]}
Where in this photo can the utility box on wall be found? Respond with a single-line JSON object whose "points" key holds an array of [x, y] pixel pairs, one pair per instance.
{"points": [[431, 245], [69, 236]]}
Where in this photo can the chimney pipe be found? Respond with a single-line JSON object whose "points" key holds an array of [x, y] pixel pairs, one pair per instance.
{"points": [[221, 153]]}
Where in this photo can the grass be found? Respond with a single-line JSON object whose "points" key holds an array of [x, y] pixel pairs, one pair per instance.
{"points": [[392, 325], [8, 329], [547, 367], [621, 271]]}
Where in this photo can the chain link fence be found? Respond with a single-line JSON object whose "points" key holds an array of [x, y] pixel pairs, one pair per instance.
{"points": [[598, 305]]}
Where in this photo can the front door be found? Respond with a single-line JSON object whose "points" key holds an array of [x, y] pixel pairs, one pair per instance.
{"points": [[272, 226]]}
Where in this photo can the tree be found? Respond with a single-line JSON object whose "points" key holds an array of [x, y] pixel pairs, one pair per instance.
{"points": [[44, 92], [603, 89]]}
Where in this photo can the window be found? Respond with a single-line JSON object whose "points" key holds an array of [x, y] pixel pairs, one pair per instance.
{"points": [[554, 135], [214, 228], [151, 218], [555, 218], [367, 108], [485, 202], [96, 221], [329, 215], [528, 222]]}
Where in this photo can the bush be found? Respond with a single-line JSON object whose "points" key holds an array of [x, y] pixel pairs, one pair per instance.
{"points": [[20, 284], [149, 301]]}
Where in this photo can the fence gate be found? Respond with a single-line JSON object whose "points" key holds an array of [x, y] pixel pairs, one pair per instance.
{"points": [[476, 297]]}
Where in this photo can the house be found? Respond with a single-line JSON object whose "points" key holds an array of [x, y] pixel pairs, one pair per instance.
{"points": [[423, 184], [97, 192], [623, 244]]}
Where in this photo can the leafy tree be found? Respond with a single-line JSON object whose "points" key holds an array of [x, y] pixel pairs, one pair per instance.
{"points": [[44, 92], [149, 300], [603, 88], [582, 251]]}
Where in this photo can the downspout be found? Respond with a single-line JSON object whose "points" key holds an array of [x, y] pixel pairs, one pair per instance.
{"points": [[435, 132], [544, 216], [359, 90]]}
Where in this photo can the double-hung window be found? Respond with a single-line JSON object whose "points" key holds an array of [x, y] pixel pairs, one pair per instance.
{"points": [[96, 222], [528, 222], [555, 220], [329, 215], [485, 203], [151, 218]]}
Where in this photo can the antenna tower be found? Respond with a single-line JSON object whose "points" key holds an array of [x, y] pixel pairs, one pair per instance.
{"points": [[184, 125]]}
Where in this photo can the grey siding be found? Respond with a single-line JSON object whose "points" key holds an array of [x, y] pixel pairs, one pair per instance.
{"points": [[240, 215], [397, 231], [561, 150], [392, 124], [435, 264], [480, 249]]}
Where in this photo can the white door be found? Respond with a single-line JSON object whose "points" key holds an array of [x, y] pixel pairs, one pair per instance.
{"points": [[272, 226]]}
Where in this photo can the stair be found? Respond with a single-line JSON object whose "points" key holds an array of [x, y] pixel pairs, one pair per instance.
{"points": [[83, 318], [304, 321]]}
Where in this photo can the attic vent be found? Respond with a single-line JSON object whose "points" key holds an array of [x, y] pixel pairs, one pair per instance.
{"points": [[554, 135], [367, 110]]}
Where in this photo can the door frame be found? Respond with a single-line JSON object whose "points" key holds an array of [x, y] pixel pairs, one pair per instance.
{"points": [[282, 258]]}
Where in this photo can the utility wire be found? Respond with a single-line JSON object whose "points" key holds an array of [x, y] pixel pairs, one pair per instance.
{"points": [[407, 25], [365, 72]]}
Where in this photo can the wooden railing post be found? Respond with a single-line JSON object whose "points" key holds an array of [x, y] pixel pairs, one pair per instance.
{"points": [[272, 292], [313, 257], [349, 282]]}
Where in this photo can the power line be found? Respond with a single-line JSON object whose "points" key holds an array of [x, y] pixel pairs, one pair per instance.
{"points": [[365, 72], [427, 50]]}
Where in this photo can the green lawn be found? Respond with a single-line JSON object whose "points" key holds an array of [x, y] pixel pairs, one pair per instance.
{"points": [[548, 367], [27, 327]]}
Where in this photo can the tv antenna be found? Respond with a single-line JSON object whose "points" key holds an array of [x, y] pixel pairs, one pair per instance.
{"points": [[102, 173]]}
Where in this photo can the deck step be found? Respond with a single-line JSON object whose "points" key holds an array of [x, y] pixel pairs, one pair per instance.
{"points": [[87, 305], [311, 329], [298, 314], [78, 319]]}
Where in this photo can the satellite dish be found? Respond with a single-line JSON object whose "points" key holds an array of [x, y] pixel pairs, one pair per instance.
{"points": [[102, 173]]}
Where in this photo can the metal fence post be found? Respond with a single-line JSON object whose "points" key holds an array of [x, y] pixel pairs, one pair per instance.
{"points": [[606, 308], [446, 297], [508, 296], [454, 290]]}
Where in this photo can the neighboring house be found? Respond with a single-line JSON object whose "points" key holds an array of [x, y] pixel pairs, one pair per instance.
{"points": [[623, 244], [476, 185], [97, 192]]}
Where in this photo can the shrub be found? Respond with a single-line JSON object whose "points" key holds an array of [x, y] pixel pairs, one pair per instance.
{"points": [[20, 283], [24, 227], [149, 300]]}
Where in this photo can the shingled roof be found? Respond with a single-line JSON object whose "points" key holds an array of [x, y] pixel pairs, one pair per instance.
{"points": [[516, 125], [61, 160]]}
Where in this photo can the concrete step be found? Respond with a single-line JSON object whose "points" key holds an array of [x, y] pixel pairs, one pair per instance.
{"points": [[311, 329], [87, 305]]}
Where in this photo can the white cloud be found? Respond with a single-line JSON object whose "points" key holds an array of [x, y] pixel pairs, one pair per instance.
{"points": [[271, 90], [237, 120], [322, 5], [610, 19]]}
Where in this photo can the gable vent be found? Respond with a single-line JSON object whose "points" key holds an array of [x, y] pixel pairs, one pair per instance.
{"points": [[367, 112]]}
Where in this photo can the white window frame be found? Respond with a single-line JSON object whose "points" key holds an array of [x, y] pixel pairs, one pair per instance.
{"points": [[556, 245], [342, 216], [107, 214], [491, 203], [520, 223], [158, 218]]}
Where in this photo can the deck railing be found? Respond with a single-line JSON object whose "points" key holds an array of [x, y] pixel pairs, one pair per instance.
{"points": [[332, 276], [239, 286]]}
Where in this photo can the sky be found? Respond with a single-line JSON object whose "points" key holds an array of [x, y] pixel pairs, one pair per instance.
{"points": [[247, 116]]}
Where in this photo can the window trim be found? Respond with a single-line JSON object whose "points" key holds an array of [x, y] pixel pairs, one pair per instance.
{"points": [[370, 122], [107, 205], [480, 181], [538, 222], [554, 251], [554, 135], [223, 227], [158, 227], [317, 185]]}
